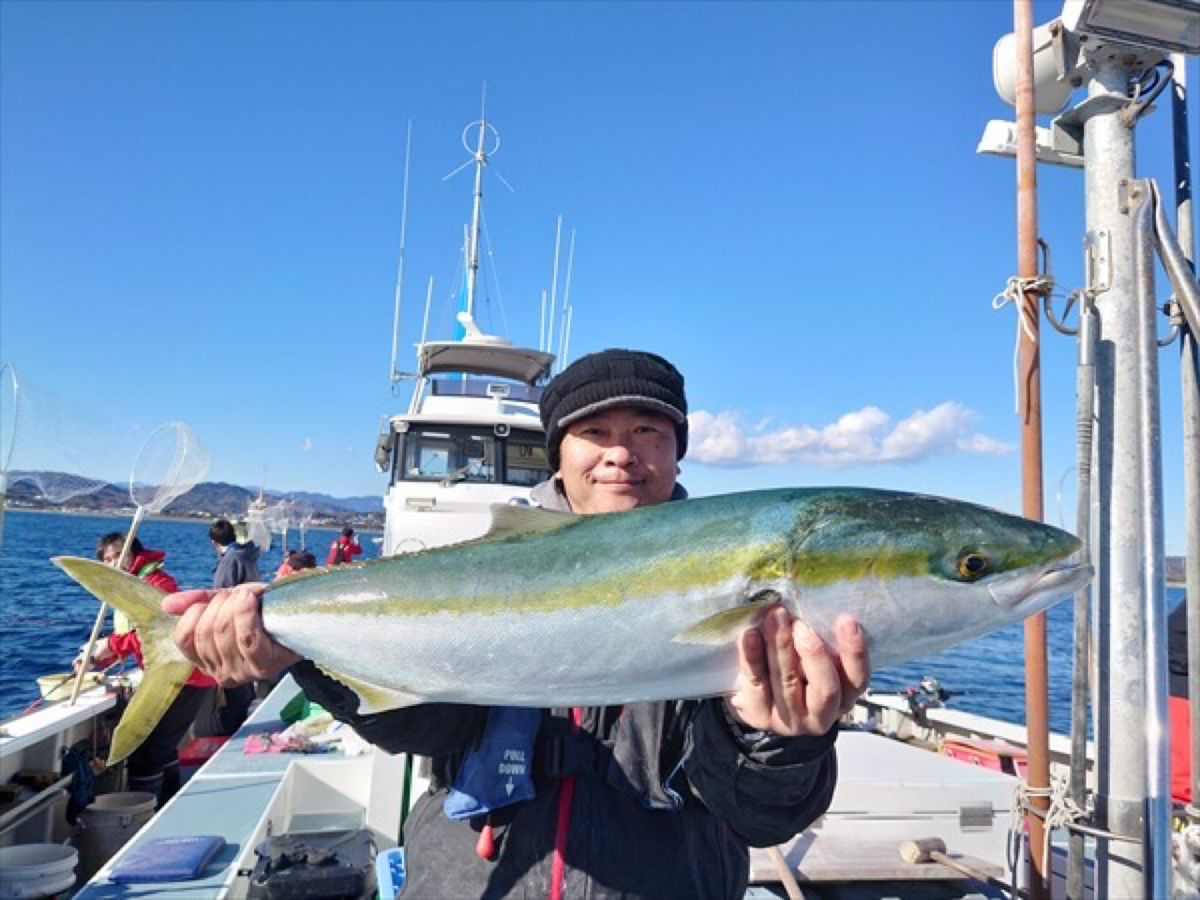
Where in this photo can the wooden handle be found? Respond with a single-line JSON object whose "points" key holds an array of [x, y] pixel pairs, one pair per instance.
{"points": [[921, 851]]}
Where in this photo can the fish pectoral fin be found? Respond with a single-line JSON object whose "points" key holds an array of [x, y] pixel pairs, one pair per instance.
{"points": [[725, 626], [514, 521], [373, 698]]}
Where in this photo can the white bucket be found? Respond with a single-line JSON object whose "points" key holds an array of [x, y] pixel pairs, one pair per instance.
{"points": [[108, 822], [59, 687], [36, 870]]}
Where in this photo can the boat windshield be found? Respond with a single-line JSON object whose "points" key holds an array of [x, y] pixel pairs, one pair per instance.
{"points": [[481, 387], [454, 453]]}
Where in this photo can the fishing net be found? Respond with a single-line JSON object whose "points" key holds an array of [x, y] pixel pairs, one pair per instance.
{"points": [[170, 463], [44, 444]]}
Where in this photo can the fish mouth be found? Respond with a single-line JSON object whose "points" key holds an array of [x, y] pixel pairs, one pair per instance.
{"points": [[1056, 580]]}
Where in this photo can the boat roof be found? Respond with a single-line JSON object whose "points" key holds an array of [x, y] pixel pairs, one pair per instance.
{"points": [[483, 357]]}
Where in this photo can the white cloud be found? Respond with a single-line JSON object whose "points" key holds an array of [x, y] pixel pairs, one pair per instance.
{"points": [[307, 444], [863, 437]]}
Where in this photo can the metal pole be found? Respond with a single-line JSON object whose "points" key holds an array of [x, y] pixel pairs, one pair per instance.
{"points": [[1085, 417], [476, 211], [1036, 689], [1117, 550], [1156, 828], [1189, 364]]}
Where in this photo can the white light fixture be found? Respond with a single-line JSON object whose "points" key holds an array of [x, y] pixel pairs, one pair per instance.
{"points": [[1170, 25], [1050, 94], [1053, 145]]}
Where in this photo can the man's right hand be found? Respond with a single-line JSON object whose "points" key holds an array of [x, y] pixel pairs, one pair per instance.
{"points": [[222, 633]]}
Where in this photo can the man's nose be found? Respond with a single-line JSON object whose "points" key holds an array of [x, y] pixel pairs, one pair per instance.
{"points": [[620, 454]]}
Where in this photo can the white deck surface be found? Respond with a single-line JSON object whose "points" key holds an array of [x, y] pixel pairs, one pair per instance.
{"points": [[889, 792]]}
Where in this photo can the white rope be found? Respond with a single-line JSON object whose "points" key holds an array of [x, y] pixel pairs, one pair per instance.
{"points": [[1014, 292], [1063, 810], [1185, 849]]}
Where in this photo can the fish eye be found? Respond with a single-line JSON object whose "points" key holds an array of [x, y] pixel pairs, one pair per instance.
{"points": [[973, 565]]}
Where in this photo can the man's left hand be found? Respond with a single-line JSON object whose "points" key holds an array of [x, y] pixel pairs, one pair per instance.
{"points": [[790, 683]]}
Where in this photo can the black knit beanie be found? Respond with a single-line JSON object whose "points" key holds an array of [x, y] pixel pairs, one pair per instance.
{"points": [[613, 378]]}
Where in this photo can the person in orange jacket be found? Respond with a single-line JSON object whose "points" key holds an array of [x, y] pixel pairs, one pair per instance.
{"points": [[344, 548], [154, 766]]}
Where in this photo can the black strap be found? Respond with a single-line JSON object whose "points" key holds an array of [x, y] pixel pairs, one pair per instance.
{"points": [[572, 755]]}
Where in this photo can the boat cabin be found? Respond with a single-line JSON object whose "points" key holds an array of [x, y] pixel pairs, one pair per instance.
{"points": [[471, 438]]}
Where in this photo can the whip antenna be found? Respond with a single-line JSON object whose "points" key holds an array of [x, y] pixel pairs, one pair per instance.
{"points": [[393, 375]]}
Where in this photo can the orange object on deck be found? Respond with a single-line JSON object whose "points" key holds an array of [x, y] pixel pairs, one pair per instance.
{"points": [[995, 755]]}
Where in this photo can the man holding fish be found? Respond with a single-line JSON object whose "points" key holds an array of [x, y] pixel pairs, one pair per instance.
{"points": [[653, 799]]}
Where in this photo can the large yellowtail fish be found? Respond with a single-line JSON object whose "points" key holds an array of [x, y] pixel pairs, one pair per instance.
{"points": [[552, 609]]}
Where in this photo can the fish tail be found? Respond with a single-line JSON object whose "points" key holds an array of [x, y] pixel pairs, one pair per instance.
{"points": [[166, 668]]}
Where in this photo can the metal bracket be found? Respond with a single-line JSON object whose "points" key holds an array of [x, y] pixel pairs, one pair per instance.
{"points": [[976, 815], [1129, 194], [1097, 262]]}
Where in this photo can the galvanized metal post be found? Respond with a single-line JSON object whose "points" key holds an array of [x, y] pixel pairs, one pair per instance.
{"points": [[1117, 546], [1156, 827], [1036, 680], [1189, 364]]}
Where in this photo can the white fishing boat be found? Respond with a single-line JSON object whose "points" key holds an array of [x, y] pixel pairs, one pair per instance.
{"points": [[910, 769]]}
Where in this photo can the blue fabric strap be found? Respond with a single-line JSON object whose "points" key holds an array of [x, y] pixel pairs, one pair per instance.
{"points": [[498, 771]]}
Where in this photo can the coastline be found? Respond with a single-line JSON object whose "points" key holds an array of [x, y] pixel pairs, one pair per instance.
{"points": [[166, 517]]}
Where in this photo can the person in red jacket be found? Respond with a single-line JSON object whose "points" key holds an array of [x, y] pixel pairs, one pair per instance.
{"points": [[344, 548], [154, 766]]}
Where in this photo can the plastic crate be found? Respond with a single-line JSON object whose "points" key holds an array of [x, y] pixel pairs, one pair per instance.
{"points": [[389, 873]]}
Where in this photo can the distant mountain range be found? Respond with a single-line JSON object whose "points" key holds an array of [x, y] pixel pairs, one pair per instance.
{"points": [[208, 500]]}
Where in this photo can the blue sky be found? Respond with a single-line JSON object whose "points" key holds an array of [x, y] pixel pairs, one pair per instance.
{"points": [[200, 213]]}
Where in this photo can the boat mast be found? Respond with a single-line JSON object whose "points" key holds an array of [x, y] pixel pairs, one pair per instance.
{"points": [[481, 158], [1036, 683]]}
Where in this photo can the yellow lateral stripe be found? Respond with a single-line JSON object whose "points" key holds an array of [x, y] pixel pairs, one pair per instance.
{"points": [[677, 575]]}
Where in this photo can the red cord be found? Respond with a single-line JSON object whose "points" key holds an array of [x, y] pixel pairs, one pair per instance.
{"points": [[485, 847], [565, 795]]}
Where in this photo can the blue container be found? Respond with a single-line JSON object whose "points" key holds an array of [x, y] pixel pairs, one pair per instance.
{"points": [[389, 872]]}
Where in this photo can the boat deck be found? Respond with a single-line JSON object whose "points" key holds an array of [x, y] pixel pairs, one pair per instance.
{"points": [[888, 792], [244, 797]]}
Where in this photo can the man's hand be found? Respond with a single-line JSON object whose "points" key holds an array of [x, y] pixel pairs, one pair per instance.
{"points": [[101, 656], [791, 683], [222, 633]]}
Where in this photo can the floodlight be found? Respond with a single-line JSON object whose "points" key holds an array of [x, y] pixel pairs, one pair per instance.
{"points": [[1050, 91], [1053, 145], [1168, 25]]}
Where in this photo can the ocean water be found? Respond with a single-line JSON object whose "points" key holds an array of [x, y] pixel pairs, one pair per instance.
{"points": [[45, 617]]}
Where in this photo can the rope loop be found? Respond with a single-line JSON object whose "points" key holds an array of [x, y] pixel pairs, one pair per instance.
{"points": [[1014, 292], [1062, 812]]}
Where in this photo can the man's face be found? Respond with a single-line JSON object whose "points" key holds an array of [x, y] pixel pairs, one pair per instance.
{"points": [[618, 459], [112, 553]]}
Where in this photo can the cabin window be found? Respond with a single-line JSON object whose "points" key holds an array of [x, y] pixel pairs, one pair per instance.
{"points": [[526, 459], [449, 454], [474, 455]]}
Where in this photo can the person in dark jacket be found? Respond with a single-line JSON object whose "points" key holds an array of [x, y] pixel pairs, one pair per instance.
{"points": [[237, 563], [646, 800], [154, 766]]}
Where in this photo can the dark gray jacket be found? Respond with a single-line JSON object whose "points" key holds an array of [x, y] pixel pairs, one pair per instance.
{"points": [[667, 796], [237, 565]]}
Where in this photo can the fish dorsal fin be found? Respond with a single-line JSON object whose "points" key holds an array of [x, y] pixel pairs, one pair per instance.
{"points": [[518, 521], [372, 698], [725, 626]]}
